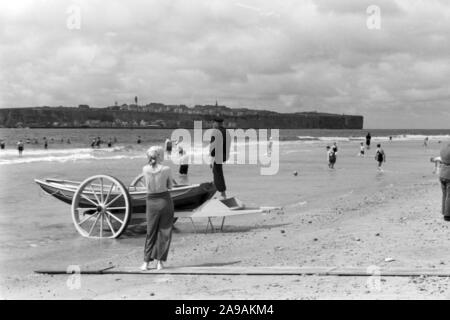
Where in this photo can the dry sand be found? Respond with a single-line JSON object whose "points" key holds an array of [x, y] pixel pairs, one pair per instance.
{"points": [[400, 223]]}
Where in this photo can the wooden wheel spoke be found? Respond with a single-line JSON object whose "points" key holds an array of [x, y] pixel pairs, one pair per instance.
{"points": [[117, 208], [86, 198], [101, 186], [113, 216], [101, 225], [95, 222], [113, 200], [109, 224], [95, 194], [86, 219], [109, 192]]}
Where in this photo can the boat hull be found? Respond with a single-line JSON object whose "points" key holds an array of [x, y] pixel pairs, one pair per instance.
{"points": [[184, 197]]}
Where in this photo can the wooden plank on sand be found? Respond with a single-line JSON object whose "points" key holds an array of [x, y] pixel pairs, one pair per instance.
{"points": [[267, 271]]}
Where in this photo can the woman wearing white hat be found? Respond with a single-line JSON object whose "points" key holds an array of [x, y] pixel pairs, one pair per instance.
{"points": [[158, 179]]}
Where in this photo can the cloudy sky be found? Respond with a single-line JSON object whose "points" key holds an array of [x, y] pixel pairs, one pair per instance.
{"points": [[286, 56]]}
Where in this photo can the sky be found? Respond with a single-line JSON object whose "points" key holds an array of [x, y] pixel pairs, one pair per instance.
{"points": [[392, 66]]}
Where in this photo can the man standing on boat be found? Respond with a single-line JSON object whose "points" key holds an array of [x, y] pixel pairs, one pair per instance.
{"points": [[220, 152]]}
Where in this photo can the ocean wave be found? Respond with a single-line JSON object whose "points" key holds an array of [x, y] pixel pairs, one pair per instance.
{"points": [[307, 138], [402, 137], [44, 152], [67, 158]]}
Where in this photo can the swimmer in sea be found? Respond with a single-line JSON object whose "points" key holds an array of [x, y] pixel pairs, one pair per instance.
{"points": [[184, 161], [20, 147], [362, 150], [335, 148], [368, 138], [168, 146], [331, 157], [2, 144], [380, 156], [269, 146]]}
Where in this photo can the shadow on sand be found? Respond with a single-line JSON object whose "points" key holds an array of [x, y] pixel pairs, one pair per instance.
{"points": [[140, 230]]}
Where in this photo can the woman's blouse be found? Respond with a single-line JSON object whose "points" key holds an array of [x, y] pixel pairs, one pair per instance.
{"points": [[158, 179]]}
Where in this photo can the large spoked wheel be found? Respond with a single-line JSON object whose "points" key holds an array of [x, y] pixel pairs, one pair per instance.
{"points": [[101, 207], [138, 183]]}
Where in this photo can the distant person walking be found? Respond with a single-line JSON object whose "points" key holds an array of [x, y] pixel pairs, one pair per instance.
{"points": [[368, 138], [168, 146], [362, 150], [160, 210], [45, 143], [331, 157], [380, 157], [444, 177], [2, 144], [20, 147], [425, 142], [219, 151], [109, 143]]}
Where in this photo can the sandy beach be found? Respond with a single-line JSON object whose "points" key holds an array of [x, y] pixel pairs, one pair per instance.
{"points": [[399, 223], [350, 217]]}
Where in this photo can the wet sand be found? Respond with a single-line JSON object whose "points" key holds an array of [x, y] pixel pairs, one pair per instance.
{"points": [[402, 223]]}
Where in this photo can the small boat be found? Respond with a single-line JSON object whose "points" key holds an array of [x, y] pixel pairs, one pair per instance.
{"points": [[102, 206]]}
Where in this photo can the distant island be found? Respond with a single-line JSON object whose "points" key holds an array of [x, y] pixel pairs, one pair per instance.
{"points": [[159, 115]]}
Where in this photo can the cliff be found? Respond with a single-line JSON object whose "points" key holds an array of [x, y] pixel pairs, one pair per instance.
{"points": [[115, 117]]}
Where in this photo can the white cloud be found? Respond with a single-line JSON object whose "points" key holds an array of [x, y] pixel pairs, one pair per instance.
{"points": [[286, 56]]}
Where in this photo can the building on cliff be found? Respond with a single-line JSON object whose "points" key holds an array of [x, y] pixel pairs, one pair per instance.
{"points": [[171, 116]]}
